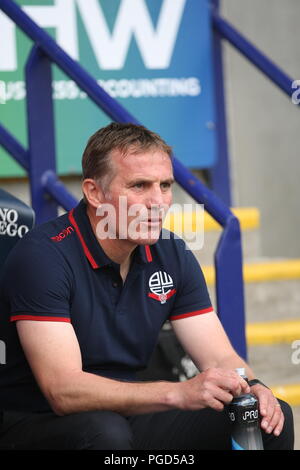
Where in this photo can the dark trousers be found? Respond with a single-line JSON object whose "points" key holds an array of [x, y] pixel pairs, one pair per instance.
{"points": [[104, 430]]}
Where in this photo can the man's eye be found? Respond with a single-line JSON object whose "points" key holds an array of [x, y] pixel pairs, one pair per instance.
{"points": [[165, 185], [138, 185]]}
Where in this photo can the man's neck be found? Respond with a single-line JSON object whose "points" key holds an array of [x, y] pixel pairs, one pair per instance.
{"points": [[119, 251]]}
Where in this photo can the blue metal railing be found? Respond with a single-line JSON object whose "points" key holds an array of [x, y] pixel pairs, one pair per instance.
{"points": [[42, 171], [252, 53], [220, 172]]}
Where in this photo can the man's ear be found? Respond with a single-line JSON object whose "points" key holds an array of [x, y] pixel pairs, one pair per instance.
{"points": [[93, 192]]}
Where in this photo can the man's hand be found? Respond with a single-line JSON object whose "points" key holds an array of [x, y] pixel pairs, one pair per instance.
{"points": [[270, 410], [213, 388]]}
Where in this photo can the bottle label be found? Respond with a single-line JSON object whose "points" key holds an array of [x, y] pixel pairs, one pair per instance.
{"points": [[243, 414]]}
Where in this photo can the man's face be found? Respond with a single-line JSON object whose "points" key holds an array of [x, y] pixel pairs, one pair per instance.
{"points": [[140, 194]]}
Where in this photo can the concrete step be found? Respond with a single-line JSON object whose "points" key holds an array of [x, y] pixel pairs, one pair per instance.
{"points": [[272, 289], [263, 270], [279, 367], [274, 332]]}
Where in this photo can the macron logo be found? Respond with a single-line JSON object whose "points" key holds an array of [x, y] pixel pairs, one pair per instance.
{"points": [[67, 231]]}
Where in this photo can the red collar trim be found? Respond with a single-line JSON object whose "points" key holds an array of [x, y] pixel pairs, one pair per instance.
{"points": [[87, 251], [148, 253], [84, 246]]}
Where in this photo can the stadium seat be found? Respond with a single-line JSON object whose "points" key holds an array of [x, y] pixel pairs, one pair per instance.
{"points": [[16, 219]]}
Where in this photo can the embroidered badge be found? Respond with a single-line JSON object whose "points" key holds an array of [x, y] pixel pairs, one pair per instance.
{"points": [[161, 286]]}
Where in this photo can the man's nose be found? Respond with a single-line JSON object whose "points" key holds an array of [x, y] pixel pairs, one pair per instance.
{"points": [[155, 196]]}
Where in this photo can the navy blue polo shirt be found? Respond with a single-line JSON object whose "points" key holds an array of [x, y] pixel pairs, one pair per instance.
{"points": [[59, 272]]}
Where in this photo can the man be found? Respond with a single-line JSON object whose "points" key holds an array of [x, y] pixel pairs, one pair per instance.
{"points": [[81, 309]]}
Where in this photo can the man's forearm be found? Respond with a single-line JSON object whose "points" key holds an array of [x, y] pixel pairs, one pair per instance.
{"points": [[81, 391], [84, 391]]}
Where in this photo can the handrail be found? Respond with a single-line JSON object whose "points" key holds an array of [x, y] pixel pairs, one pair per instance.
{"points": [[68, 65], [252, 53], [13, 147], [228, 258]]}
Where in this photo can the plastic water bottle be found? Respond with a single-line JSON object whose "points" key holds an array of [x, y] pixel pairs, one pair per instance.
{"points": [[244, 415]]}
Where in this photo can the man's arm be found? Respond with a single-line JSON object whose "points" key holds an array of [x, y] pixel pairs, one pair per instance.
{"points": [[205, 340], [53, 353]]}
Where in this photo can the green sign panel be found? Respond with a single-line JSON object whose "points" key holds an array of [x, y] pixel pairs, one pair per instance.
{"points": [[153, 56]]}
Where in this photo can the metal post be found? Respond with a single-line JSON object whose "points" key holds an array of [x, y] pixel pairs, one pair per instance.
{"points": [[253, 54], [230, 285], [220, 173], [58, 191], [40, 121]]}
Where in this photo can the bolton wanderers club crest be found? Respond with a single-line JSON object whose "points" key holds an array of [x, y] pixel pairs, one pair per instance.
{"points": [[161, 286]]}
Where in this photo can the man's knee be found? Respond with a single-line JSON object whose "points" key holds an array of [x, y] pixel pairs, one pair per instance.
{"points": [[104, 430], [288, 428]]}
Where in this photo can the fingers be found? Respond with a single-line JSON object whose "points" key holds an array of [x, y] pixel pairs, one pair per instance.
{"points": [[263, 407], [273, 419], [204, 391], [223, 385], [214, 388], [244, 387], [278, 428], [270, 411], [234, 383], [216, 398]]}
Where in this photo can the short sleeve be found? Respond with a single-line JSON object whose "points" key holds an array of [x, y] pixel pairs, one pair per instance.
{"points": [[37, 282], [192, 297]]}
